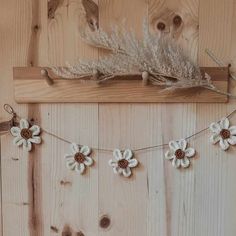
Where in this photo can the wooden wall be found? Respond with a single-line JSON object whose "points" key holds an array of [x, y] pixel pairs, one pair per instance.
{"points": [[40, 196]]}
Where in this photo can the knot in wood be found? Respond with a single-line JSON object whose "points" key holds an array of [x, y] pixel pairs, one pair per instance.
{"points": [[105, 222], [161, 26], [79, 233], [180, 154], [177, 20], [79, 157], [123, 163], [26, 134], [225, 133]]}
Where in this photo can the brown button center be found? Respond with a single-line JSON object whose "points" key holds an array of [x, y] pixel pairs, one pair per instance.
{"points": [[225, 133], [180, 154], [123, 163], [79, 157], [26, 134]]}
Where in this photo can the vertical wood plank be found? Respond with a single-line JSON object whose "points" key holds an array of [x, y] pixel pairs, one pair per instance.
{"points": [[171, 192], [69, 200], [123, 126], [213, 194], [14, 40]]}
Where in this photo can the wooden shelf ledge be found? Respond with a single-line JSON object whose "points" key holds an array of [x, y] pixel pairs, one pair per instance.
{"points": [[30, 87]]}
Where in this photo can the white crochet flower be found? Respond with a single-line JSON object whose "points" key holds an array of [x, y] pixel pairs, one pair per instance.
{"points": [[79, 158], [123, 162], [223, 133], [26, 135], [179, 153]]}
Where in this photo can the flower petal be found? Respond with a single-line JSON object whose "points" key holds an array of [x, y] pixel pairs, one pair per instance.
{"points": [[116, 169], [117, 154], [215, 138], [232, 130], [35, 130], [174, 145], [224, 144], [215, 128], [189, 152], [88, 161], [27, 145], [113, 163], [69, 157], [24, 124], [15, 131], [176, 163], [185, 162], [169, 155], [127, 172], [133, 162], [35, 139], [85, 150], [224, 123], [80, 168], [74, 148], [182, 144], [127, 154], [18, 140], [70, 160], [232, 140], [71, 165]]}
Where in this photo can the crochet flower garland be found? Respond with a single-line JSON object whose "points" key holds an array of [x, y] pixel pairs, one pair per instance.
{"points": [[79, 158]]}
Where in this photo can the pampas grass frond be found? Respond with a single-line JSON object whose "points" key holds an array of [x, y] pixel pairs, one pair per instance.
{"points": [[163, 59]]}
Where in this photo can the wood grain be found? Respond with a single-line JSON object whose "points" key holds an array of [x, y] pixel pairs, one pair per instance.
{"points": [[16, 34], [70, 200], [170, 205], [92, 14], [215, 33], [123, 126], [41, 197], [31, 87]]}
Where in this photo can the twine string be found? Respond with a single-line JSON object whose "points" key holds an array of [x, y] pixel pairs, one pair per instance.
{"points": [[218, 61], [11, 111]]}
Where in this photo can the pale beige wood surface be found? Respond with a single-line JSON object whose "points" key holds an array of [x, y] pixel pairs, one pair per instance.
{"points": [[216, 168], [123, 126], [31, 87], [173, 191], [71, 201], [41, 197]]}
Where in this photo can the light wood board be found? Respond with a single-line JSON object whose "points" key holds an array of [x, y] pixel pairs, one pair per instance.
{"points": [[31, 87]]}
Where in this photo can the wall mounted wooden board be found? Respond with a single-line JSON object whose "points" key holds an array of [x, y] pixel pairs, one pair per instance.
{"points": [[31, 87]]}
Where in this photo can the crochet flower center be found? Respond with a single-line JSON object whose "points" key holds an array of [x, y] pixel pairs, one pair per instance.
{"points": [[225, 133], [123, 163], [79, 157], [180, 154], [26, 134]]}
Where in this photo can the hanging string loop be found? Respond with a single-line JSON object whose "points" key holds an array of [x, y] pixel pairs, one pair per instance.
{"points": [[7, 125]]}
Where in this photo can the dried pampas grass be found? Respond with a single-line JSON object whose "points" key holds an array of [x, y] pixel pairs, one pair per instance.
{"points": [[159, 59]]}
